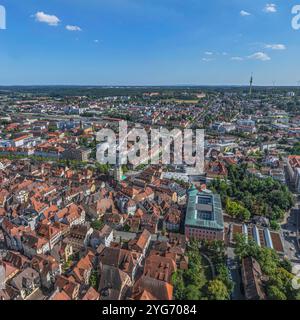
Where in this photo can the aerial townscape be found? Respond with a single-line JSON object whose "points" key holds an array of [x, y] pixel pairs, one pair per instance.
{"points": [[72, 228], [149, 157]]}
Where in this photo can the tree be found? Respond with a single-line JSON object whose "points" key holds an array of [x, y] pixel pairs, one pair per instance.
{"points": [[244, 248], [125, 169], [103, 168], [286, 264], [237, 210], [179, 285], [192, 292], [247, 194], [276, 294], [94, 279], [282, 279], [269, 260], [217, 290], [189, 284], [126, 228], [97, 224], [223, 275], [277, 271], [274, 225], [67, 264], [83, 141]]}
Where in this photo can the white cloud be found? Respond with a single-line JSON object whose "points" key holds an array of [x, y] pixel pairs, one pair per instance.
{"points": [[207, 59], [259, 56], [270, 8], [208, 53], [51, 20], [244, 13], [96, 41], [237, 58], [275, 46], [73, 28]]}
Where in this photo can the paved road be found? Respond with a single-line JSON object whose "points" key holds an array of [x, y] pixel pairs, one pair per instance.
{"points": [[212, 268], [233, 267]]}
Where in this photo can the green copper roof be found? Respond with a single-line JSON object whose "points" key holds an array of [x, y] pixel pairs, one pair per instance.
{"points": [[193, 216], [192, 188]]}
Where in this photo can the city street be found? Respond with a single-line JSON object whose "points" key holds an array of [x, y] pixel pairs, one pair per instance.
{"points": [[233, 266]]}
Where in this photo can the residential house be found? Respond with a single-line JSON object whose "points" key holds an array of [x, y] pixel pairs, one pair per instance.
{"points": [[160, 268], [105, 236], [68, 286], [141, 243], [83, 268], [172, 219], [122, 259], [26, 282], [34, 244], [79, 237], [48, 269]]}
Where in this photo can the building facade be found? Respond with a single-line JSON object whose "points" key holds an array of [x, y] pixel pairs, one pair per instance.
{"points": [[204, 217]]}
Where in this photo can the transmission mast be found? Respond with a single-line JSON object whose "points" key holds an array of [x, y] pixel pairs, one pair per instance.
{"points": [[251, 83]]}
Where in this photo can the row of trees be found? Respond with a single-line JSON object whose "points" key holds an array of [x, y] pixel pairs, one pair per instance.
{"points": [[189, 284], [194, 284], [278, 272], [222, 286]]}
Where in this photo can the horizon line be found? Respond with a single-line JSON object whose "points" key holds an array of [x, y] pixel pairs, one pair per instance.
{"points": [[146, 86]]}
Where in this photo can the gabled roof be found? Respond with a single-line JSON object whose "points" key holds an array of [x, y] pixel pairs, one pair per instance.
{"points": [[91, 294], [160, 268], [148, 288], [60, 295], [120, 258]]}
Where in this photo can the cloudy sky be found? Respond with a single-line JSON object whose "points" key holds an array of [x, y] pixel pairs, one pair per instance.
{"points": [[149, 42]]}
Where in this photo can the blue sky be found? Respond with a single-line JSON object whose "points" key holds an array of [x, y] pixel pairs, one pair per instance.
{"points": [[149, 42]]}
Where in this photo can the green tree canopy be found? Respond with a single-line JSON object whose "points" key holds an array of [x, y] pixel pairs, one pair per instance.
{"points": [[217, 290]]}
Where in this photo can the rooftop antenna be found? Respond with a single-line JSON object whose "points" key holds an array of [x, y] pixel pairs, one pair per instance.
{"points": [[251, 83]]}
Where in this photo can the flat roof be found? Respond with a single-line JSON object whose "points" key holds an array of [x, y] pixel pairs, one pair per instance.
{"points": [[192, 219]]}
